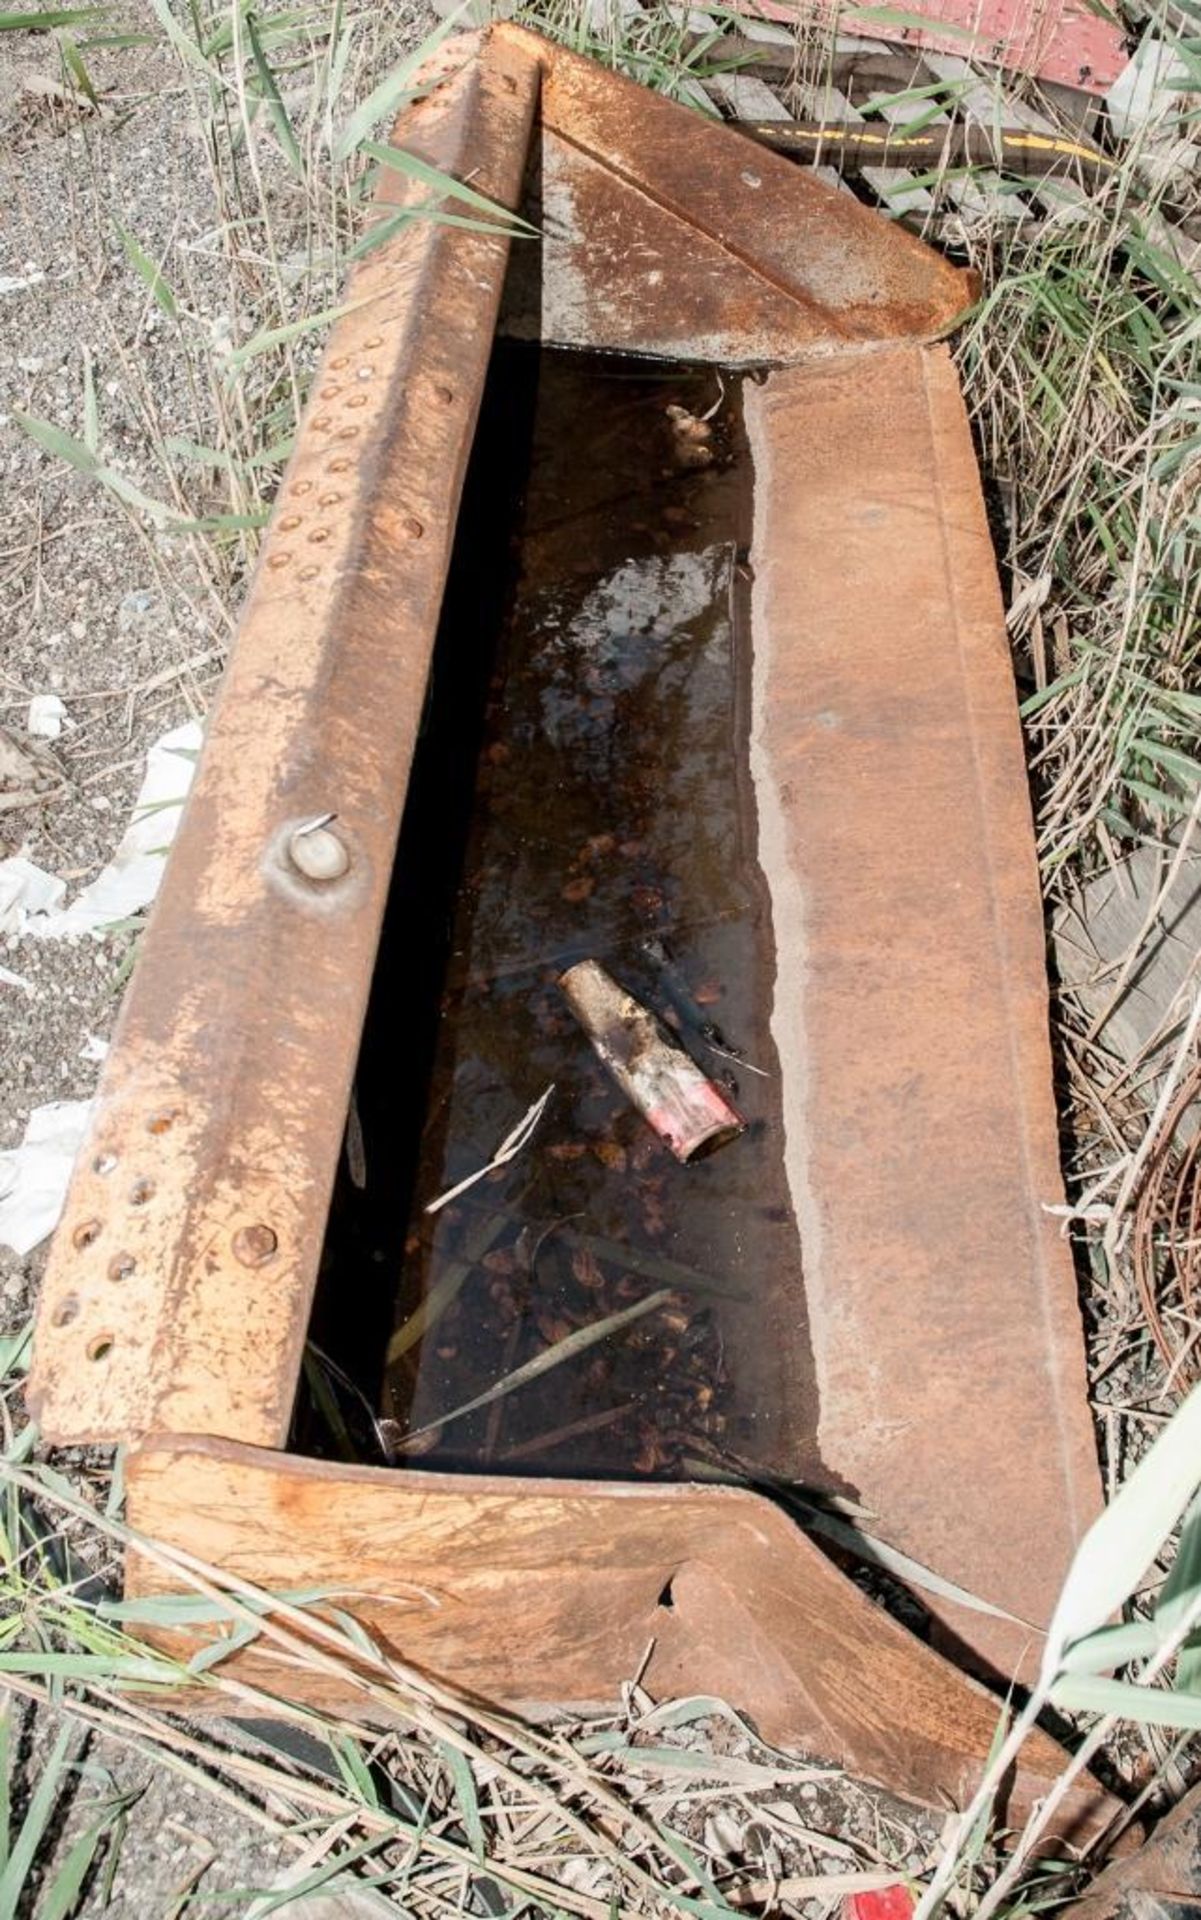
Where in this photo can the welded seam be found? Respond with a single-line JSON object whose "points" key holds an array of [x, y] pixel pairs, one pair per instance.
{"points": [[1000, 947]]}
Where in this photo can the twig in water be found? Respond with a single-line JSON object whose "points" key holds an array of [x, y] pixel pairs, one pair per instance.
{"points": [[508, 1149]]}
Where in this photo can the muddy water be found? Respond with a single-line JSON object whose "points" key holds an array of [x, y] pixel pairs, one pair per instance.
{"points": [[610, 816]]}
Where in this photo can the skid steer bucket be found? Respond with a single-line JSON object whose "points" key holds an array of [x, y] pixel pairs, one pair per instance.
{"points": [[646, 556]]}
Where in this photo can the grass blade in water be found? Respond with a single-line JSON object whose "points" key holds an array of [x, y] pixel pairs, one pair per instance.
{"points": [[447, 1287], [566, 1349]]}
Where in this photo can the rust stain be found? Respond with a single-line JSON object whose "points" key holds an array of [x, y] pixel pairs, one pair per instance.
{"points": [[911, 997], [243, 1018], [668, 234]]}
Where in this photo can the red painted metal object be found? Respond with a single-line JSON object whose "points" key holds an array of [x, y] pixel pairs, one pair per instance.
{"points": [[1057, 40], [883, 1903]]}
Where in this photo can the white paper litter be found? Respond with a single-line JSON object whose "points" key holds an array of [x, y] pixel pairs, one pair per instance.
{"points": [[1148, 89], [46, 715], [30, 900], [34, 1176], [26, 892], [94, 1048]]}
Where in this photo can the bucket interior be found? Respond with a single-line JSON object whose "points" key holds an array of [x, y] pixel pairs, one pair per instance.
{"points": [[581, 790]]}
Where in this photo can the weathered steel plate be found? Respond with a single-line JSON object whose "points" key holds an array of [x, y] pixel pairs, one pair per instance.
{"points": [[708, 1590], [1066, 41], [911, 995], [179, 1287], [665, 234]]}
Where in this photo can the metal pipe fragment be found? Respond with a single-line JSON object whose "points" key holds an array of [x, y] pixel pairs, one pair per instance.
{"points": [[967, 143], [669, 1090]]}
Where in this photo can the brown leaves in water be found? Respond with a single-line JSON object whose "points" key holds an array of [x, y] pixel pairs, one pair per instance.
{"points": [[586, 1268]]}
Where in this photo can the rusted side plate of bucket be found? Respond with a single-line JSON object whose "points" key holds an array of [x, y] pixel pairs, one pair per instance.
{"points": [[911, 995], [179, 1289], [665, 234], [533, 1592]]}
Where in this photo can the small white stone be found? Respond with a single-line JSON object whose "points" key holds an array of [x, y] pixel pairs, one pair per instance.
{"points": [[46, 716]]}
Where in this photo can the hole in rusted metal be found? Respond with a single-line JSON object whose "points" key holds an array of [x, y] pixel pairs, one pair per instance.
{"points": [[141, 1191], [121, 1266], [104, 1163], [162, 1122], [100, 1347], [85, 1233], [67, 1310]]}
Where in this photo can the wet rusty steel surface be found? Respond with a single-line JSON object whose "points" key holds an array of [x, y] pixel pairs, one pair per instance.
{"points": [[910, 1010], [665, 233], [179, 1286]]}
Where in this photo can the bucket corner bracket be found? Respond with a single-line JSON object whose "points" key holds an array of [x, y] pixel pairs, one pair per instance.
{"points": [[909, 999]]}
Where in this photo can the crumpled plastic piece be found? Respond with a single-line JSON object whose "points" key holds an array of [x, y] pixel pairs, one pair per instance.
{"points": [[34, 1176], [27, 892], [30, 899]]}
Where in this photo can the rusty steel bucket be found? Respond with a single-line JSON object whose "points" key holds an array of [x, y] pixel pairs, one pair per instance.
{"points": [[909, 1007]]}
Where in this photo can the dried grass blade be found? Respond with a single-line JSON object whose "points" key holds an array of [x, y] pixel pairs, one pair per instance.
{"points": [[554, 1356], [509, 1148]]}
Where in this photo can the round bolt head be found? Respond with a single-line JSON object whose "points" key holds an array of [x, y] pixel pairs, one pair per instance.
{"points": [[254, 1246], [318, 853]]}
